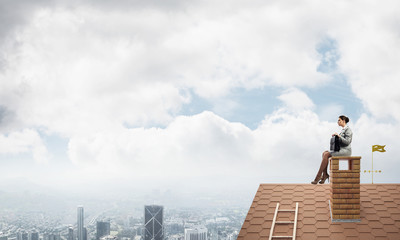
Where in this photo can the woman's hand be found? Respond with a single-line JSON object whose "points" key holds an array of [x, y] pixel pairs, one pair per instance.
{"points": [[335, 134]]}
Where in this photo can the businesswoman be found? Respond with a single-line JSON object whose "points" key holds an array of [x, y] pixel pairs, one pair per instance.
{"points": [[345, 137]]}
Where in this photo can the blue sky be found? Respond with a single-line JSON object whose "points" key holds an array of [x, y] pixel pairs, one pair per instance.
{"points": [[197, 89]]}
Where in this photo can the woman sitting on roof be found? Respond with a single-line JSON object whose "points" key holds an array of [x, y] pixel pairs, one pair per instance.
{"points": [[344, 140]]}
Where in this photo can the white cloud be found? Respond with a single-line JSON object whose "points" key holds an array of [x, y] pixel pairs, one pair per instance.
{"points": [[80, 69], [25, 141], [87, 73], [296, 99], [370, 54], [207, 145], [330, 111], [189, 146]]}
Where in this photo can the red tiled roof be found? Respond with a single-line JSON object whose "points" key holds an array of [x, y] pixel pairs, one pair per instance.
{"points": [[380, 213]]}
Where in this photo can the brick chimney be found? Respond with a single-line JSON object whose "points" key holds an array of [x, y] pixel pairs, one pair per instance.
{"points": [[345, 190]]}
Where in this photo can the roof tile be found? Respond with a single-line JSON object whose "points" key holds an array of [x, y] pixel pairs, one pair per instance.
{"points": [[397, 224], [309, 208], [395, 216], [352, 233], [377, 201], [309, 214], [308, 228], [322, 225], [252, 236], [264, 233], [309, 236], [322, 210], [395, 210], [352, 238], [309, 202], [349, 225], [309, 220], [366, 236], [390, 229], [383, 214], [392, 236], [375, 224], [387, 221], [257, 220], [372, 217], [322, 217], [378, 232], [254, 228], [322, 233], [338, 236], [364, 229], [266, 224]]}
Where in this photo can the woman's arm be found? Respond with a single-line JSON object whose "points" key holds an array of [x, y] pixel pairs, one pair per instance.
{"points": [[346, 137]]}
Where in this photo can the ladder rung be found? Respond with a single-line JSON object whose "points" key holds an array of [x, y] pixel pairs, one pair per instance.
{"points": [[274, 222], [284, 222]]}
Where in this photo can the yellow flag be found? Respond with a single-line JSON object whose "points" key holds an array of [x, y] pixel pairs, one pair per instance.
{"points": [[378, 148]]}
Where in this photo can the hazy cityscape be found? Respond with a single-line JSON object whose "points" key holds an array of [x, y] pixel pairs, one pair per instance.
{"points": [[29, 216], [159, 120]]}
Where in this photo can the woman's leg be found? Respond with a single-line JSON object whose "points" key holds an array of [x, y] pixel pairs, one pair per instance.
{"points": [[326, 157], [324, 166], [324, 163]]}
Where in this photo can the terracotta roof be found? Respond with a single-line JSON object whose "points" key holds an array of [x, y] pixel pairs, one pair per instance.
{"points": [[380, 213]]}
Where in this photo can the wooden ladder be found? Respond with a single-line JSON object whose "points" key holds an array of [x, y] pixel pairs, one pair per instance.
{"points": [[284, 222]]}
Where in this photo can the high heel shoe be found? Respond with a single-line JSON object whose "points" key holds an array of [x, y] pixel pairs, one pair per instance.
{"points": [[317, 178], [326, 176]]}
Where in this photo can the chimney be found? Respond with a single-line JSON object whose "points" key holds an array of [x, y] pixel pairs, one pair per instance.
{"points": [[345, 190]]}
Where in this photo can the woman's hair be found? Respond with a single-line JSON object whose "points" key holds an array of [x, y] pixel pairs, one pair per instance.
{"points": [[344, 118]]}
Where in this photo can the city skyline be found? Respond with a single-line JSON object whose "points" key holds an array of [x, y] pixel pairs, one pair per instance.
{"points": [[221, 223]]}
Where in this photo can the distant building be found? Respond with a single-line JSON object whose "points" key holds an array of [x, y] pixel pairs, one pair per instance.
{"points": [[176, 237], [174, 228], [3, 237], [196, 233], [52, 236], [70, 233], [34, 236], [153, 222], [80, 224], [102, 229], [22, 235], [232, 236], [85, 234], [108, 237]]}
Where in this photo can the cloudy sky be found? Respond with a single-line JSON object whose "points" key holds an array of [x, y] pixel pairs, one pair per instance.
{"points": [[196, 94]]}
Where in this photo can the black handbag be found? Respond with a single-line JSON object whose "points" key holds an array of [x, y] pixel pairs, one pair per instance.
{"points": [[335, 144]]}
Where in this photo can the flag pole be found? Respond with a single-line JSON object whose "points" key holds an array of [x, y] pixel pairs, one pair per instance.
{"points": [[372, 166]]}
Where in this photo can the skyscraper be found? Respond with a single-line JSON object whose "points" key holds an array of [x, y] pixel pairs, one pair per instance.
{"points": [[196, 233], [153, 222], [102, 229], [80, 230], [70, 233]]}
